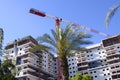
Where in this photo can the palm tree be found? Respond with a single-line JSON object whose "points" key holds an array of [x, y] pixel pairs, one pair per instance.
{"points": [[64, 42], [1, 40], [111, 13]]}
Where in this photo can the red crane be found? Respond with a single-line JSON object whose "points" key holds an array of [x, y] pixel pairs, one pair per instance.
{"points": [[58, 20]]}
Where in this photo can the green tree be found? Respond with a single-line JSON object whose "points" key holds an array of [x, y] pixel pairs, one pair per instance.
{"points": [[111, 13], [81, 77], [6, 68], [77, 77], [87, 77], [64, 42]]}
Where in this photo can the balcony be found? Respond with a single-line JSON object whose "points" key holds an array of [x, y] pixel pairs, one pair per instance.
{"points": [[84, 59], [115, 62], [30, 73], [83, 55], [80, 65], [111, 52], [114, 68], [116, 72], [82, 68], [26, 62], [79, 60], [112, 59], [110, 48], [84, 65]]}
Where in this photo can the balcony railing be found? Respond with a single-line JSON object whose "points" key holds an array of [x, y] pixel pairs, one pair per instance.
{"points": [[112, 59]]}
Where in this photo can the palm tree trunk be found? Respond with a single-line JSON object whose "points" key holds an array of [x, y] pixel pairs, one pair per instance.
{"points": [[64, 67]]}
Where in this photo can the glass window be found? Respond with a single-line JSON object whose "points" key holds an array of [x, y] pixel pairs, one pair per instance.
{"points": [[20, 49]]}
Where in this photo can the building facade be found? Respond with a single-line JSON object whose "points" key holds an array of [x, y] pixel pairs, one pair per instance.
{"points": [[101, 61], [30, 66]]}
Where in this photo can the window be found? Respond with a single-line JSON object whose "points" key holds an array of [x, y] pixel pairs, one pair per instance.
{"points": [[106, 64], [90, 72], [98, 48], [107, 68], [103, 55], [94, 71], [73, 71], [28, 78], [37, 61], [20, 49], [87, 55], [73, 67], [91, 54], [24, 72], [20, 53], [103, 69], [108, 73], [12, 51], [105, 79], [104, 74], [95, 76]]}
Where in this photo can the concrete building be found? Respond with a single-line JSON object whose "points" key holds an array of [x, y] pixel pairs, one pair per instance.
{"points": [[30, 66], [101, 61]]}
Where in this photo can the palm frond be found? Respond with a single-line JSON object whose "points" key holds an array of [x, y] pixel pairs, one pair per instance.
{"points": [[54, 34], [46, 38], [41, 47], [111, 13]]}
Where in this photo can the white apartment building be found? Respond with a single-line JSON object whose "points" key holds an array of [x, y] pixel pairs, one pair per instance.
{"points": [[101, 61], [30, 66]]}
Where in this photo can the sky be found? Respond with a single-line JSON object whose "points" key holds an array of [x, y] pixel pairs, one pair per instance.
{"points": [[17, 22]]}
